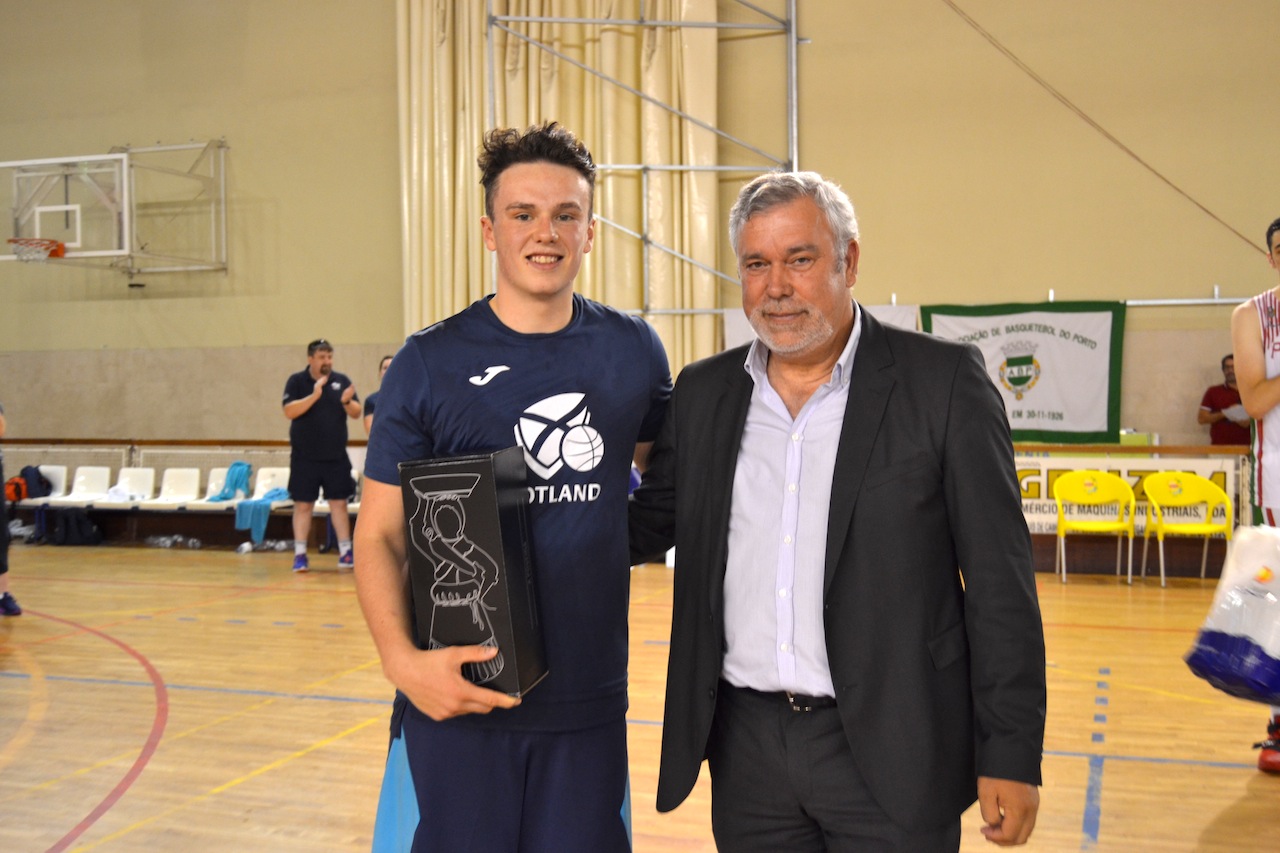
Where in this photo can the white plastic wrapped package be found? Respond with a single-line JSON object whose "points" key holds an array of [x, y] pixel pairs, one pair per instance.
{"points": [[1238, 648]]}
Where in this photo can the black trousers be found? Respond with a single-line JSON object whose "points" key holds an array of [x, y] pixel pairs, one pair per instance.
{"points": [[786, 780]]}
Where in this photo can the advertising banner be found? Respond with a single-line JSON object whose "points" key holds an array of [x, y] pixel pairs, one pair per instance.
{"points": [[1036, 476]]}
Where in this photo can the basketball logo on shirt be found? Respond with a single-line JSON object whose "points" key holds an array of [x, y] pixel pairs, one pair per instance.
{"points": [[556, 431]]}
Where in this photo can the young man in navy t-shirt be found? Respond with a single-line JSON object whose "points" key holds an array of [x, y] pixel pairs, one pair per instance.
{"points": [[582, 389]]}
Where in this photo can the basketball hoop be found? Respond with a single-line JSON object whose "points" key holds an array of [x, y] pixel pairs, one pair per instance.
{"points": [[37, 249]]}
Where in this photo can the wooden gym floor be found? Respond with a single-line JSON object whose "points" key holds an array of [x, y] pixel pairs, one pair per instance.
{"points": [[156, 699]]}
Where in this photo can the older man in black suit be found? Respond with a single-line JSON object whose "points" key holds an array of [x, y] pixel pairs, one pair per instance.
{"points": [[856, 645]]}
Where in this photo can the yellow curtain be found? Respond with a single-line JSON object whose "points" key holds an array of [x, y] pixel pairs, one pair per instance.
{"points": [[444, 112]]}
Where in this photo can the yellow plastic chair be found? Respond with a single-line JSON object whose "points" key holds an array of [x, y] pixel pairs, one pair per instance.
{"points": [[1093, 488], [1166, 489]]}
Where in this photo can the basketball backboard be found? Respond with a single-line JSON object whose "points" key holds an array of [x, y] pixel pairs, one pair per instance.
{"points": [[154, 209]]}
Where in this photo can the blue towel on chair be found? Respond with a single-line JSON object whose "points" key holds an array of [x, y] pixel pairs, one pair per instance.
{"points": [[252, 515], [237, 481]]}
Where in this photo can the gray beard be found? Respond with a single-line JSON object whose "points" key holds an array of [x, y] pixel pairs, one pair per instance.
{"points": [[817, 330]]}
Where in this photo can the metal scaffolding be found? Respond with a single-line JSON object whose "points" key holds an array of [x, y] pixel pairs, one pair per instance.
{"points": [[769, 24]]}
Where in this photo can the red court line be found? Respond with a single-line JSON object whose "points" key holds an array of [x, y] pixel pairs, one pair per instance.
{"points": [[148, 748], [177, 608]]}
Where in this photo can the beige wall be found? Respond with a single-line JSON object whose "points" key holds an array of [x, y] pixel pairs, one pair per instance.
{"points": [[305, 95], [155, 394], [973, 184]]}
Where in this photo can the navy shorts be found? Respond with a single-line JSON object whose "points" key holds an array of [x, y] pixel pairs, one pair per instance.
{"points": [[492, 789], [306, 478]]}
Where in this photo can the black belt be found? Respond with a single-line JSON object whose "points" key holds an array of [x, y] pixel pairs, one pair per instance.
{"points": [[795, 701]]}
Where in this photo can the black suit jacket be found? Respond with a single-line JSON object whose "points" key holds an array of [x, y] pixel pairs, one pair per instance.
{"points": [[931, 620]]}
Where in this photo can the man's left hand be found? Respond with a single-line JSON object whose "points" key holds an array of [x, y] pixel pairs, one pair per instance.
{"points": [[348, 393], [1009, 809]]}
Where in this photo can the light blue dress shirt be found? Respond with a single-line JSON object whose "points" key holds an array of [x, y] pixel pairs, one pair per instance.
{"points": [[778, 532]]}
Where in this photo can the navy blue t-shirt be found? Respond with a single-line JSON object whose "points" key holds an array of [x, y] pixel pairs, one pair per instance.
{"points": [[577, 401], [320, 433], [370, 404]]}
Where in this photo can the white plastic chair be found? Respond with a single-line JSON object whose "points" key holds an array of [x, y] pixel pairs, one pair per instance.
{"points": [[353, 505], [178, 487], [133, 486], [217, 479], [268, 479], [89, 484]]}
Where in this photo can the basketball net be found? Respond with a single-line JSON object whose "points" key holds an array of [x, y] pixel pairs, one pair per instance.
{"points": [[28, 249]]}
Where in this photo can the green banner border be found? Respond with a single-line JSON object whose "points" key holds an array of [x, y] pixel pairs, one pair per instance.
{"points": [[1112, 433]]}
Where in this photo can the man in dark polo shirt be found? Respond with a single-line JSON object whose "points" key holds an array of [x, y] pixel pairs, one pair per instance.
{"points": [[318, 401]]}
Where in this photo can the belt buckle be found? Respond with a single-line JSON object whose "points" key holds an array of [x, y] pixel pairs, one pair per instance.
{"points": [[796, 706]]}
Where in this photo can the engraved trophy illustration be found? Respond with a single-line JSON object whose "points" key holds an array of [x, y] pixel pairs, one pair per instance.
{"points": [[464, 573]]}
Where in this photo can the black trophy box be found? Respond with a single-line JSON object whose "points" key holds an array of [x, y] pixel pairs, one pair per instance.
{"points": [[470, 564]]}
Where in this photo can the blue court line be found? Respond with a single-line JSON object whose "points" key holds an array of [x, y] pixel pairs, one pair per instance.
{"points": [[1091, 825], [119, 682], [1188, 762], [1092, 804], [114, 682]]}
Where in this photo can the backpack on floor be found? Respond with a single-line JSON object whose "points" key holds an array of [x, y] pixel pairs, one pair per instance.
{"points": [[72, 526]]}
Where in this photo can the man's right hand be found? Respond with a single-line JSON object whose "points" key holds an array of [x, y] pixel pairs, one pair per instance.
{"points": [[433, 682], [320, 383]]}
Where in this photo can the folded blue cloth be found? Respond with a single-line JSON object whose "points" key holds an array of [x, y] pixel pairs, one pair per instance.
{"points": [[252, 515]]}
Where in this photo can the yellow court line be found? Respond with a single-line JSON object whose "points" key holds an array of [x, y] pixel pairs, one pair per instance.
{"points": [[37, 707], [1168, 694], [280, 762], [130, 615], [169, 737]]}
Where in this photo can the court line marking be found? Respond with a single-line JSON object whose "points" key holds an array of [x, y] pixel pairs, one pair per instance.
{"points": [[1092, 804], [174, 736], [1168, 694], [1129, 629], [235, 691], [149, 746], [37, 708], [130, 617], [226, 786], [285, 584]]}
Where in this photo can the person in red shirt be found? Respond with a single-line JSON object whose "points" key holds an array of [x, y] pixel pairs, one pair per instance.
{"points": [[1222, 409]]}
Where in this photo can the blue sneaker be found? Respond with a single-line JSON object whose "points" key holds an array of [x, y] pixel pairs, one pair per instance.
{"points": [[300, 563], [9, 605], [347, 561]]}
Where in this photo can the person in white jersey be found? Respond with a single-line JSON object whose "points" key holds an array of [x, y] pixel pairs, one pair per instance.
{"points": [[1255, 336]]}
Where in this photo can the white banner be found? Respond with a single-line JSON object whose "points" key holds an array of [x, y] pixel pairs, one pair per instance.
{"points": [[1057, 364], [902, 316]]}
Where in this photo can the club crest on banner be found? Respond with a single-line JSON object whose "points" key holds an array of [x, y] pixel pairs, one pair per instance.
{"points": [[1019, 371]]}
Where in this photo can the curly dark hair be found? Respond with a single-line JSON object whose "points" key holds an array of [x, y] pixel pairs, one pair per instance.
{"points": [[550, 142]]}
